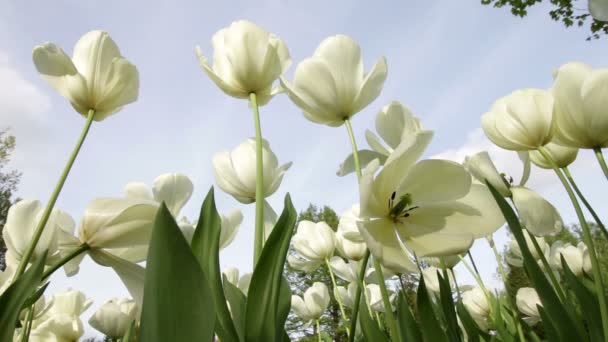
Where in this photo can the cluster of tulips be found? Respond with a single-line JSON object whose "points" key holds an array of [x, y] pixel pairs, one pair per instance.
{"points": [[415, 217]]}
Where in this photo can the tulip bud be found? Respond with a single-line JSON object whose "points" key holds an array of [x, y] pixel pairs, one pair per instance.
{"points": [[482, 168], [538, 216], [348, 249], [476, 303], [375, 298], [520, 121], [561, 155], [246, 59], [431, 278], [301, 264], [114, 317], [313, 305], [346, 294], [331, 86], [347, 271], [580, 106], [577, 258], [235, 171], [314, 241], [96, 78], [527, 302], [347, 225], [514, 256]]}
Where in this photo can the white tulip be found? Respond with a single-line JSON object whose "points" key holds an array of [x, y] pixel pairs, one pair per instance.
{"points": [[313, 305], [346, 294], [175, 189], [561, 155], [448, 261], [230, 226], [347, 271], [96, 78], [241, 282], [482, 168], [314, 241], [61, 322], [520, 121], [430, 207], [246, 59], [374, 295], [371, 276], [527, 302], [348, 249], [114, 317], [514, 256], [536, 214], [431, 279], [581, 98], [598, 9], [6, 277], [476, 303], [235, 171], [347, 225], [331, 86], [301, 264], [577, 258]]}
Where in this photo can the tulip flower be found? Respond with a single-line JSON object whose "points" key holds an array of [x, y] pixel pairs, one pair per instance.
{"points": [[448, 261], [577, 258], [514, 256], [372, 278], [430, 207], [482, 168], [598, 10], [235, 171], [96, 78], [520, 121], [346, 294], [175, 189], [313, 304], [246, 59], [348, 224], [375, 298], [331, 86], [347, 271], [348, 249], [301, 264], [62, 320], [230, 226], [580, 106], [431, 279], [114, 317], [527, 302], [478, 306], [242, 283], [538, 215], [561, 155], [314, 241]]}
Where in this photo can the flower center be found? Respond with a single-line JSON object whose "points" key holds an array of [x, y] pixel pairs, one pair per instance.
{"points": [[401, 208]]}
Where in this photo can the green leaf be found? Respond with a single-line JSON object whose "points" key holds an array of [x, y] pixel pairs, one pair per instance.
{"points": [[178, 305], [550, 331], [206, 248], [131, 332], [561, 319], [238, 306], [264, 320], [365, 157], [284, 301], [34, 298], [431, 329], [447, 305], [470, 326], [369, 327], [13, 298], [407, 326]]}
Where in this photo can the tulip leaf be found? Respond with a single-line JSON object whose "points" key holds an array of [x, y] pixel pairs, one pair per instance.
{"points": [[178, 303], [265, 314], [13, 298], [550, 331], [447, 305], [369, 327], [284, 301], [407, 326], [238, 305], [206, 248], [559, 315], [474, 333], [365, 157], [34, 298], [130, 334], [431, 329], [588, 301]]}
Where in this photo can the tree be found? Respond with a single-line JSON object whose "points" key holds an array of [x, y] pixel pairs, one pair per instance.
{"points": [[569, 12], [8, 184], [300, 281]]}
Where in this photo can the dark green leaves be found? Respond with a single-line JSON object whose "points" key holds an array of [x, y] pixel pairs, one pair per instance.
{"points": [[431, 328], [406, 322], [178, 305], [369, 327], [265, 314]]}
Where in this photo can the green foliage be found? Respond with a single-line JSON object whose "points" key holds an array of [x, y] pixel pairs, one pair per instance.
{"points": [[569, 12], [8, 184]]}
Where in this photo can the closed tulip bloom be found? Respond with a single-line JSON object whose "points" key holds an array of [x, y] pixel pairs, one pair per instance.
{"points": [[314, 303], [331, 86], [375, 298], [448, 261], [520, 121], [314, 241], [235, 171], [482, 168], [301, 264], [232, 275], [514, 256], [347, 271], [431, 279], [114, 317], [246, 59], [347, 226], [581, 99], [348, 249], [346, 294], [538, 215], [175, 189], [527, 302], [561, 155], [96, 78], [476, 303], [577, 257]]}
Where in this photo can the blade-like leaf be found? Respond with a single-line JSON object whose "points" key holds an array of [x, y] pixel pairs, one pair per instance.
{"points": [[369, 327], [130, 334], [13, 298], [431, 329], [470, 326], [264, 320], [34, 298], [365, 157], [206, 248], [407, 326], [447, 306], [178, 304], [238, 305]]}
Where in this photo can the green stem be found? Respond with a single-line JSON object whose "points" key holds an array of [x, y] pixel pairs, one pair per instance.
{"points": [[584, 200], [472, 261], [76, 252], [319, 331], [259, 183], [501, 267], [600, 159], [353, 143], [547, 267], [337, 295], [455, 283], [25, 336], [597, 275], [388, 309], [475, 275], [49, 207], [353, 321]]}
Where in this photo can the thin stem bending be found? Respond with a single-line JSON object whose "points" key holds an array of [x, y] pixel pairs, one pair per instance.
{"points": [[584, 200], [600, 159], [259, 183]]}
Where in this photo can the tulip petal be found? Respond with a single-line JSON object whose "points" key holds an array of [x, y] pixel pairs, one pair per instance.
{"points": [[229, 227], [598, 10], [538, 215], [372, 85], [138, 190], [174, 189], [375, 144], [594, 92], [216, 73], [121, 87], [439, 244], [391, 122], [93, 55], [227, 180], [385, 246], [270, 219], [430, 181]]}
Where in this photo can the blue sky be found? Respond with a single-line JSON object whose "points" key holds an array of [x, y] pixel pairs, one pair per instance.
{"points": [[448, 61]]}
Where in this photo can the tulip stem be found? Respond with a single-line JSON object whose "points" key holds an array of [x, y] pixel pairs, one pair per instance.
{"points": [[337, 295], [25, 336], [353, 143], [455, 283], [600, 159], [360, 287], [472, 261], [388, 308], [259, 183], [76, 252], [319, 331], [584, 200], [501, 267], [588, 239], [49, 207]]}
